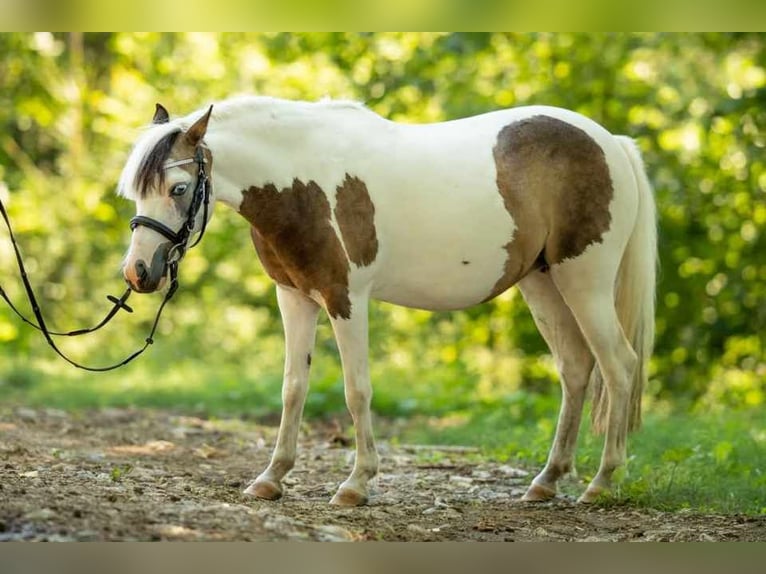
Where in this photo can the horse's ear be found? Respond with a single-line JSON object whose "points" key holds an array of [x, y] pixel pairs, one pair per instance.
{"points": [[161, 115], [197, 131]]}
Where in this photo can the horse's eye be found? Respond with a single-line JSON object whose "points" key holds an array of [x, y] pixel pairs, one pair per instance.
{"points": [[179, 189]]}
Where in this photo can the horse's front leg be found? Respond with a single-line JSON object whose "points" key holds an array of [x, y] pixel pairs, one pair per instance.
{"points": [[299, 318], [352, 337]]}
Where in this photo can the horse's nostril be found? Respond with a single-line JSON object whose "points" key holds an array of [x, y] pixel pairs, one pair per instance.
{"points": [[142, 272]]}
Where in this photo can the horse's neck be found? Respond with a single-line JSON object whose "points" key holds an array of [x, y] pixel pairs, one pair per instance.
{"points": [[258, 146], [282, 122], [235, 134]]}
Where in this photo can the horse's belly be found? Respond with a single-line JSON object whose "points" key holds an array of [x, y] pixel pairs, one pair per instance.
{"points": [[452, 261], [439, 295]]}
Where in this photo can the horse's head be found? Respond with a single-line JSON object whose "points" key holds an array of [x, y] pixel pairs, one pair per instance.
{"points": [[167, 176]]}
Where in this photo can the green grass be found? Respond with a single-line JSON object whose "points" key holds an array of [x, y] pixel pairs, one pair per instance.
{"points": [[224, 384], [706, 461], [703, 462]]}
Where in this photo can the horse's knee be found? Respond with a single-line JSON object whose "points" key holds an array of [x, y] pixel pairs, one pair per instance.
{"points": [[358, 397]]}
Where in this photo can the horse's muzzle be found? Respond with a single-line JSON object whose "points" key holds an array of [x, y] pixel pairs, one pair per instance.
{"points": [[148, 278]]}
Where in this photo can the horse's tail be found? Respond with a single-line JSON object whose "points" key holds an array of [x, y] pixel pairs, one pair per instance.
{"points": [[635, 293]]}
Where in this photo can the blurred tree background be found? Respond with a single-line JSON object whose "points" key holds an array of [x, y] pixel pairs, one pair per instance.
{"points": [[72, 104]]}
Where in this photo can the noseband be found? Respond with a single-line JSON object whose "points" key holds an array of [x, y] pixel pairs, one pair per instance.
{"points": [[180, 238]]}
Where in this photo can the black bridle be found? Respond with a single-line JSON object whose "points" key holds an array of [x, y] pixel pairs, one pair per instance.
{"points": [[201, 198], [180, 239]]}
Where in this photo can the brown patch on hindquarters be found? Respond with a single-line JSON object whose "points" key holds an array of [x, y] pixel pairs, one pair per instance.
{"points": [[296, 243], [556, 185], [355, 214]]}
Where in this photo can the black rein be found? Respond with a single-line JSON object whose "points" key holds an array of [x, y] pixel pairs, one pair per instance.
{"points": [[180, 239]]}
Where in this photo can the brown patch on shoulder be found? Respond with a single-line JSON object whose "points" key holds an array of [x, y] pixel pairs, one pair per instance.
{"points": [[556, 185], [270, 261], [355, 214], [296, 243]]}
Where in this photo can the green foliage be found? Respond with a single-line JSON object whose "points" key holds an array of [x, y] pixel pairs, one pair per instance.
{"points": [[72, 104]]}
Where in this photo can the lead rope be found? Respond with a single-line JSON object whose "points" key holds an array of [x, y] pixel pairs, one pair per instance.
{"points": [[180, 239], [118, 304]]}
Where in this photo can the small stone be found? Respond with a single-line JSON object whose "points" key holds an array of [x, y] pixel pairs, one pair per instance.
{"points": [[513, 472], [333, 533], [117, 415], [86, 536], [27, 415], [485, 526], [461, 479], [179, 433], [40, 514], [482, 475], [177, 532], [489, 494], [206, 451]]}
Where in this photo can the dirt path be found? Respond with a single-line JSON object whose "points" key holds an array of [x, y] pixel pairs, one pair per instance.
{"points": [[138, 475]]}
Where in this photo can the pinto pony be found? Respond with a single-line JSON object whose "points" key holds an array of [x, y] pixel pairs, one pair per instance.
{"points": [[346, 206]]}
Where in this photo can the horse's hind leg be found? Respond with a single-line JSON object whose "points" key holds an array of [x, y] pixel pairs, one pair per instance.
{"points": [[574, 362], [587, 285], [299, 318], [352, 337]]}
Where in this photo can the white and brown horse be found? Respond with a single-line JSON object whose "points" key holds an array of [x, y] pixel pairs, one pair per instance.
{"points": [[345, 206]]}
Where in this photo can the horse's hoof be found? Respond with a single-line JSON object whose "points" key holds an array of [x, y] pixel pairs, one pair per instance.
{"points": [[538, 493], [348, 497], [265, 489], [592, 494]]}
